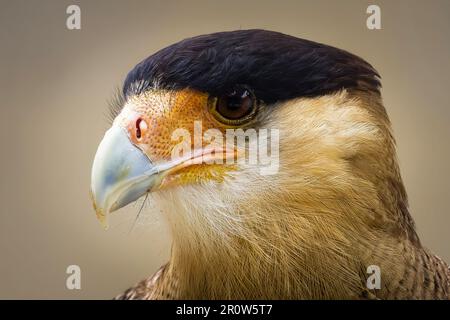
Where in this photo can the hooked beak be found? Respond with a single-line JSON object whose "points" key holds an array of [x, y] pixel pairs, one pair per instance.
{"points": [[121, 174]]}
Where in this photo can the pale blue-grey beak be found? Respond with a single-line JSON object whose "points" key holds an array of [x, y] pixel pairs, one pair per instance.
{"points": [[121, 173]]}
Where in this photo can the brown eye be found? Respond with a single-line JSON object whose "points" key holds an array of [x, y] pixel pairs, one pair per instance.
{"points": [[235, 107]]}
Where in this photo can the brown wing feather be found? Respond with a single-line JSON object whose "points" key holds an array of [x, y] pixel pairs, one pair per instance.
{"points": [[145, 289]]}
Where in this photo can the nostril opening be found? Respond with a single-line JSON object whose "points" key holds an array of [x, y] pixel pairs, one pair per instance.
{"points": [[138, 128], [141, 128]]}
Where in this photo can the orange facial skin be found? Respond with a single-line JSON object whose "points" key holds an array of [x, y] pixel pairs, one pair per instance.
{"points": [[151, 119]]}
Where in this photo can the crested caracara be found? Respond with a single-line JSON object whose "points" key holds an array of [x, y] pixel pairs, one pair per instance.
{"points": [[334, 206]]}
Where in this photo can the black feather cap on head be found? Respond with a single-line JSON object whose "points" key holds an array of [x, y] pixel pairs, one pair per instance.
{"points": [[275, 66]]}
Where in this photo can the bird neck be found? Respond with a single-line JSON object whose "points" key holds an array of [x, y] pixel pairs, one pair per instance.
{"points": [[300, 248], [300, 257], [309, 259]]}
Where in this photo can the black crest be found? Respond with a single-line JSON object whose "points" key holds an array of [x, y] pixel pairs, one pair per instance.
{"points": [[276, 66]]}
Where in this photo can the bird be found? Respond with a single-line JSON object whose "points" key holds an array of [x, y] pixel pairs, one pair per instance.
{"points": [[334, 208]]}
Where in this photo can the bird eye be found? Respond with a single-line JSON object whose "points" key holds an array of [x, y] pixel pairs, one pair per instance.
{"points": [[235, 107], [141, 127]]}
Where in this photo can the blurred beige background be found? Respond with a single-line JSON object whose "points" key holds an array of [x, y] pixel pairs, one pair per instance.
{"points": [[54, 84]]}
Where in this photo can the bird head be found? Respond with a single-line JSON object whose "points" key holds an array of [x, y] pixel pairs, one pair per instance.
{"points": [[316, 109]]}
